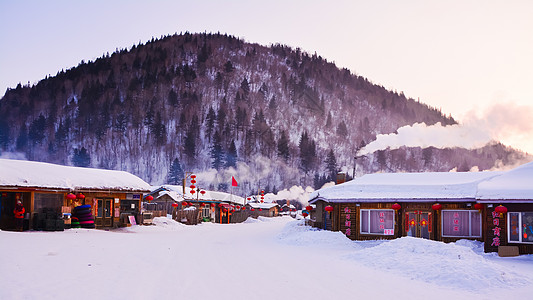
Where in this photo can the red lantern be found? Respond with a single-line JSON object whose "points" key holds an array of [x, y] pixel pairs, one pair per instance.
{"points": [[193, 181], [175, 204], [501, 210], [184, 203], [149, 198], [305, 214], [238, 207], [396, 206], [193, 176], [193, 191], [478, 206], [328, 208], [253, 209], [220, 205], [249, 198], [202, 192], [225, 210], [192, 186], [213, 205], [71, 196], [262, 201], [202, 204], [80, 196], [436, 206], [260, 209], [309, 208], [243, 208]]}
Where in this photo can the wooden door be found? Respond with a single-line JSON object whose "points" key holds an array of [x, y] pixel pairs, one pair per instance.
{"points": [[104, 212], [419, 224]]}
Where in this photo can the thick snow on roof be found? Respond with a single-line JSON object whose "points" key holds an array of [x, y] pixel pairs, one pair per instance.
{"points": [[516, 184], [262, 205], [407, 186], [208, 196], [20, 173]]}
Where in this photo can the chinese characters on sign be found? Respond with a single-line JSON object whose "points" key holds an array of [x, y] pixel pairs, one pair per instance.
{"points": [[348, 222], [496, 229], [456, 221]]}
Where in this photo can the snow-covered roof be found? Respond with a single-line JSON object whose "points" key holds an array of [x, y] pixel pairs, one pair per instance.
{"points": [[262, 205], [208, 196], [172, 194], [514, 185], [20, 173]]}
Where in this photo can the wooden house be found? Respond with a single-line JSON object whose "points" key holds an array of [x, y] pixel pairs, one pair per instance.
{"points": [[258, 209], [493, 207], [53, 190]]}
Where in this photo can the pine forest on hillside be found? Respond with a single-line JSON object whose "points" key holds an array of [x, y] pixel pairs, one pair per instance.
{"points": [[218, 106]]}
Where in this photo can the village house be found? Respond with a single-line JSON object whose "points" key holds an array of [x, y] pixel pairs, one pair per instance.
{"points": [[200, 206], [258, 209], [50, 193], [494, 207]]}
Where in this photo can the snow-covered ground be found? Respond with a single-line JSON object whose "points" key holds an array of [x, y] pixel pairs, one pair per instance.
{"points": [[268, 258]]}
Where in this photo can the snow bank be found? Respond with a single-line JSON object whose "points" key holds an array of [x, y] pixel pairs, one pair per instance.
{"points": [[455, 265], [297, 234]]}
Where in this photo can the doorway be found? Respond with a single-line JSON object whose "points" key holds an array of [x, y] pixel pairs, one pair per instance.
{"points": [[104, 212], [419, 224]]}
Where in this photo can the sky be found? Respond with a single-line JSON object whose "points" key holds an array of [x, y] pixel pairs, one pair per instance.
{"points": [[471, 59]]}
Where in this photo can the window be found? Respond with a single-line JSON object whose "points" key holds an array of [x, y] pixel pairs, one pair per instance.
{"points": [[520, 227], [49, 201], [377, 221], [461, 223]]}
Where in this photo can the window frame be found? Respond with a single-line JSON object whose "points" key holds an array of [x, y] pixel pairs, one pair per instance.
{"points": [[369, 210], [520, 233], [470, 211]]}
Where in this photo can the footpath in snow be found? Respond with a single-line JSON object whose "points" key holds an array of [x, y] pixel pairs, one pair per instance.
{"points": [[268, 258]]}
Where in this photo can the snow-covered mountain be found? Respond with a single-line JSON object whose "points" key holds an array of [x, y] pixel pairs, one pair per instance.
{"points": [[215, 105]]}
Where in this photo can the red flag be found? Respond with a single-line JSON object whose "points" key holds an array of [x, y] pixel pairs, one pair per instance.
{"points": [[233, 181]]}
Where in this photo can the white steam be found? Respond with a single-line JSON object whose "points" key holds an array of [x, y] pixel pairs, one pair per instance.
{"points": [[297, 193], [438, 136], [505, 122]]}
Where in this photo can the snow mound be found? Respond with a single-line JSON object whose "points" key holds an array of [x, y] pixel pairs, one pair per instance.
{"points": [[455, 265], [168, 223], [296, 233]]}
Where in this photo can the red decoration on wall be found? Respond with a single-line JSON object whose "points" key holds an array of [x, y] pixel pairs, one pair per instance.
{"points": [[478, 206], [436, 206], [396, 206], [328, 208]]}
